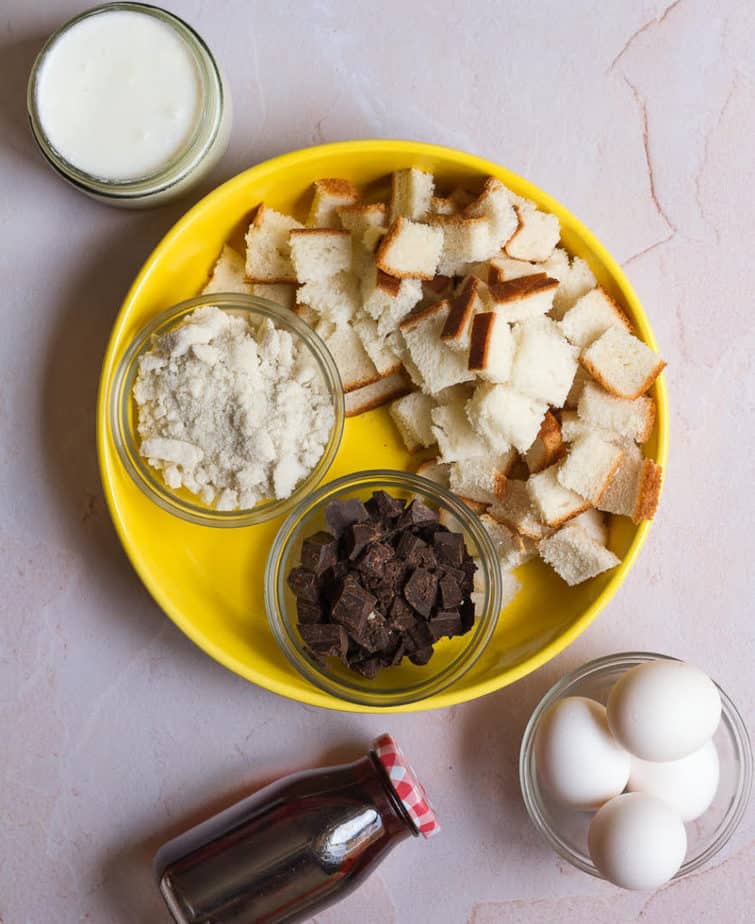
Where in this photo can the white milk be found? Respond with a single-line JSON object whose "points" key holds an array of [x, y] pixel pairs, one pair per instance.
{"points": [[119, 95]]}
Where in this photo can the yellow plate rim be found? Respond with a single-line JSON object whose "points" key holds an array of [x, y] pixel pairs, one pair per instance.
{"points": [[485, 167]]}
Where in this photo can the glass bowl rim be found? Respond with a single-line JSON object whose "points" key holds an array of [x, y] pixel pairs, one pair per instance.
{"points": [[730, 715], [280, 626], [120, 400]]}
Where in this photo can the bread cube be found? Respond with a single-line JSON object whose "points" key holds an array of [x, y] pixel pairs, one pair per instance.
{"points": [[515, 510], [548, 446], [510, 547], [554, 503], [482, 479], [593, 522], [378, 348], [544, 362], [354, 365], [410, 250], [634, 490], [319, 253], [435, 471], [495, 205], [573, 427], [268, 253], [411, 414], [438, 366], [524, 297], [591, 316], [504, 417], [574, 282], [368, 397], [359, 217], [632, 419], [411, 194], [536, 235], [227, 274], [454, 434], [491, 351], [442, 205], [589, 467], [575, 555], [465, 240], [464, 306], [622, 364], [388, 300], [330, 195], [336, 299]]}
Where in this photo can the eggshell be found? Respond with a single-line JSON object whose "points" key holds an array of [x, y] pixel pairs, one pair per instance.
{"points": [[578, 761], [637, 842], [663, 710], [687, 786]]}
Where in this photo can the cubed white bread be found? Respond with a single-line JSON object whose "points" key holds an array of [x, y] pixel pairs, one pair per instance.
{"points": [[622, 364], [544, 363], [442, 205], [465, 305], [410, 250], [536, 235], [479, 479], [503, 267], [591, 316], [504, 417], [336, 299], [378, 348], [589, 467], [573, 427], [454, 434], [268, 252], [354, 365], [360, 217], [593, 522], [516, 511], [575, 556], [635, 489], [435, 471], [411, 192], [554, 503], [465, 241], [581, 378], [318, 254], [633, 419], [524, 297], [491, 347], [228, 274], [495, 205], [510, 587], [281, 293], [411, 414], [557, 265], [509, 546], [573, 284], [548, 446], [329, 195], [438, 365], [386, 299], [377, 393]]}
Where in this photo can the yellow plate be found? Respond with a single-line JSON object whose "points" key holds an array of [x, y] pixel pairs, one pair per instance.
{"points": [[209, 581]]}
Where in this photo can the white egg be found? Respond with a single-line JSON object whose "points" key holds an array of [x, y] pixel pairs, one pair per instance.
{"points": [[687, 786], [663, 710], [637, 842], [578, 760]]}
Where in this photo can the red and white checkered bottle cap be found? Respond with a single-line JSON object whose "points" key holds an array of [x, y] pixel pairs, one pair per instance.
{"points": [[410, 791]]}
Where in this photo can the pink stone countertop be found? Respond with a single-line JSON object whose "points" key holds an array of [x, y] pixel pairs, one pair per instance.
{"points": [[115, 729]]}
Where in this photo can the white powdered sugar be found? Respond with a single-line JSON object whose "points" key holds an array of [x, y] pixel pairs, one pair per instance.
{"points": [[232, 411]]}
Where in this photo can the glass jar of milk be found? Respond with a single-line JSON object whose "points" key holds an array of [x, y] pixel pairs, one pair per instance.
{"points": [[128, 104]]}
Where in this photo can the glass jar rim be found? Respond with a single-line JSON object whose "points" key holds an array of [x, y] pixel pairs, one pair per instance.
{"points": [[189, 156]]}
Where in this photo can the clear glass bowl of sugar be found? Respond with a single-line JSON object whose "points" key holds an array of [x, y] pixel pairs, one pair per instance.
{"points": [[123, 412]]}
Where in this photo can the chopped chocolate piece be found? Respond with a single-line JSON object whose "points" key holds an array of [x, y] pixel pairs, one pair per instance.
{"points": [[467, 613], [408, 548], [469, 568], [319, 552], [330, 581], [372, 633], [325, 639], [304, 584], [368, 668], [384, 507], [421, 656], [449, 547], [386, 594], [394, 574], [307, 612], [420, 591], [450, 592], [417, 514], [357, 537], [418, 637], [401, 616], [353, 604], [342, 513], [428, 532], [445, 622], [458, 574], [426, 558], [373, 561]]}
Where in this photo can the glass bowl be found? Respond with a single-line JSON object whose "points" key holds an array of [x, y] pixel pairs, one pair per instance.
{"points": [[405, 683], [122, 411], [566, 829]]}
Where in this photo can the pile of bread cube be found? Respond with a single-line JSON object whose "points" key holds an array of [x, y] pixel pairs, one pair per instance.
{"points": [[498, 352]]}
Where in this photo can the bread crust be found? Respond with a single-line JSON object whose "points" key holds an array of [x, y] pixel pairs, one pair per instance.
{"points": [[513, 290], [461, 312], [384, 246], [649, 491], [479, 345], [369, 402], [417, 317], [596, 373]]}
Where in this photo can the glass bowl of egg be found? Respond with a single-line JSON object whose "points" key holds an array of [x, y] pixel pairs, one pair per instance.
{"points": [[226, 410], [636, 768]]}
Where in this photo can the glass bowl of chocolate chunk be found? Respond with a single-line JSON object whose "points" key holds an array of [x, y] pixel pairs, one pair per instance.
{"points": [[382, 588]]}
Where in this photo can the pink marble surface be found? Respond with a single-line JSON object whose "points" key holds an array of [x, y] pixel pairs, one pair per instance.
{"points": [[115, 730]]}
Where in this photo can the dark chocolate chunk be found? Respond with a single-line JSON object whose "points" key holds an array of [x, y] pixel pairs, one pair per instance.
{"points": [[342, 513], [307, 612], [401, 616], [449, 547], [421, 656], [330, 581], [357, 537], [319, 552], [304, 584], [372, 633], [458, 574], [467, 613], [409, 548], [353, 604], [418, 637], [469, 568], [445, 623], [368, 668], [325, 639], [450, 592], [420, 591], [383, 507], [426, 558], [417, 514], [373, 561], [395, 573]]}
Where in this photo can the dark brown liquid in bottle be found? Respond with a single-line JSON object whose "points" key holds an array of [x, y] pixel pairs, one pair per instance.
{"points": [[286, 851]]}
